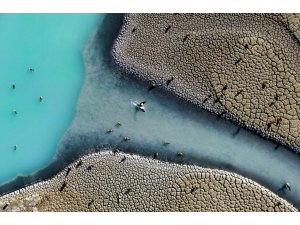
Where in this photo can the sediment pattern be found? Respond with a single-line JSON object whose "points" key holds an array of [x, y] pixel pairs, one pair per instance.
{"points": [[243, 67], [115, 181]]}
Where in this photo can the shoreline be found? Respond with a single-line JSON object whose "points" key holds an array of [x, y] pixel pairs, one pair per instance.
{"points": [[74, 147], [62, 158], [125, 63], [162, 180]]}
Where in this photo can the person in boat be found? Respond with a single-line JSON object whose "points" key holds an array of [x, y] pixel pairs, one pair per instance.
{"points": [[141, 106]]}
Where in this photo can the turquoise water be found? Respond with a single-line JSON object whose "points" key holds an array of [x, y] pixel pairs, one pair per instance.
{"points": [[52, 44], [105, 99], [203, 139]]}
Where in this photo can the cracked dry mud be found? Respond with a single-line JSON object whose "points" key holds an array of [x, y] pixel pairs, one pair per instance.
{"points": [[242, 66], [108, 181]]}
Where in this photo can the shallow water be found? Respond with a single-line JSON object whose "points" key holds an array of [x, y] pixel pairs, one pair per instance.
{"points": [[52, 44], [203, 139], [106, 99]]}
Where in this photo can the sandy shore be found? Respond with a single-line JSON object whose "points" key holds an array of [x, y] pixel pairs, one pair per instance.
{"points": [[240, 66], [115, 181]]}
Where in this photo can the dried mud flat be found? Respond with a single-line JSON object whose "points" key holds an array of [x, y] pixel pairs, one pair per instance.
{"points": [[115, 181], [243, 67], [240, 66]]}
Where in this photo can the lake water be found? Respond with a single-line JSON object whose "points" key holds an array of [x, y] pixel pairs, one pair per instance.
{"points": [[202, 138], [52, 44], [104, 100]]}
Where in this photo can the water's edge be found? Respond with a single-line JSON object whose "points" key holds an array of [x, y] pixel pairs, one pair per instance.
{"points": [[58, 163], [69, 152]]}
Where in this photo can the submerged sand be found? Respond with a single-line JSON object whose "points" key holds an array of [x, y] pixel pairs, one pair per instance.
{"points": [[115, 181]]}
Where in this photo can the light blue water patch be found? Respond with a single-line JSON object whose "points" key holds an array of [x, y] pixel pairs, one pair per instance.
{"points": [[202, 138], [106, 99], [51, 44]]}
